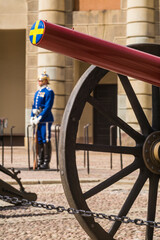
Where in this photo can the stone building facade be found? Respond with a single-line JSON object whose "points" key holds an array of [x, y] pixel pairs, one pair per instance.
{"points": [[122, 21]]}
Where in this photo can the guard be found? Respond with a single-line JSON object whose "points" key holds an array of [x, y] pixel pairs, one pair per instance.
{"points": [[41, 115]]}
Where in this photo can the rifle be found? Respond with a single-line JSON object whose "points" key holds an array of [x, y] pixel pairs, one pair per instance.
{"points": [[35, 146], [35, 141]]}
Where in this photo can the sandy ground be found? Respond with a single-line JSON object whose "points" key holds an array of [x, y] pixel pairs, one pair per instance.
{"points": [[30, 223]]}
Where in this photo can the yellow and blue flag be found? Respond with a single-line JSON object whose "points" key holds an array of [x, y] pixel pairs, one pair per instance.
{"points": [[36, 32]]}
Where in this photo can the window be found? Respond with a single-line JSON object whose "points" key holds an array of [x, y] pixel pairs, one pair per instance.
{"points": [[86, 5]]}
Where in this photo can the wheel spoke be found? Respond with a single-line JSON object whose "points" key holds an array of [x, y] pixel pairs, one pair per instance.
{"points": [[141, 117], [136, 151], [111, 180], [155, 107], [130, 200], [115, 120], [152, 201]]}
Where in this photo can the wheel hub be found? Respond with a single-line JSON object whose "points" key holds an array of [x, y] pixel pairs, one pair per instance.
{"points": [[151, 152]]}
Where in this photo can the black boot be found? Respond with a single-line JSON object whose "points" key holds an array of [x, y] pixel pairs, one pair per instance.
{"points": [[47, 155], [40, 155]]}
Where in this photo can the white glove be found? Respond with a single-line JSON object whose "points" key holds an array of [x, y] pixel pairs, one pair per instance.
{"points": [[36, 120], [35, 111]]}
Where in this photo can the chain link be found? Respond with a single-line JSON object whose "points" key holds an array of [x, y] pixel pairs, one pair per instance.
{"points": [[60, 209]]}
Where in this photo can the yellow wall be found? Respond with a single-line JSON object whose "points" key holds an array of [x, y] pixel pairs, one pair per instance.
{"points": [[13, 14], [13, 21]]}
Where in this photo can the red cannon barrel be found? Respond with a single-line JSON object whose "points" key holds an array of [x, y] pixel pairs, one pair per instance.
{"points": [[111, 56]]}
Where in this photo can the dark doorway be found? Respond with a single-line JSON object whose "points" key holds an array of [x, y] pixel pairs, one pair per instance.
{"points": [[12, 96], [106, 94]]}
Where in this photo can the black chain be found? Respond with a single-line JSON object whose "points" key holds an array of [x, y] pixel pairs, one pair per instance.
{"points": [[60, 209]]}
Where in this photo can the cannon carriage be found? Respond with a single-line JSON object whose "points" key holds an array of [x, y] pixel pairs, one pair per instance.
{"points": [[140, 61]]}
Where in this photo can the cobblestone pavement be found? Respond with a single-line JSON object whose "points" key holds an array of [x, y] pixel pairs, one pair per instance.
{"points": [[30, 223]]}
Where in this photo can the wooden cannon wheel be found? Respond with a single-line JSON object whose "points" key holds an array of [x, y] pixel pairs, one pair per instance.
{"points": [[145, 153]]}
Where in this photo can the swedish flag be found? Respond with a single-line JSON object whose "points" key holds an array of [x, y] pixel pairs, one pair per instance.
{"points": [[36, 32]]}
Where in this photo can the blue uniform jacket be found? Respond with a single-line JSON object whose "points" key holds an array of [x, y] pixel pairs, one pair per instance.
{"points": [[43, 99]]}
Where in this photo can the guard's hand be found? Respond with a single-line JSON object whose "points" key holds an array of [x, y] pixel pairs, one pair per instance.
{"points": [[36, 120], [35, 111]]}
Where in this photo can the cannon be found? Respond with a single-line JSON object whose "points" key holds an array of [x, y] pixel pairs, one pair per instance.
{"points": [[7, 191], [140, 61]]}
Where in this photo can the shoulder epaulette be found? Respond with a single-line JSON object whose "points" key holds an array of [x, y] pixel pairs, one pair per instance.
{"points": [[49, 89]]}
